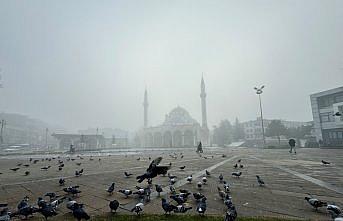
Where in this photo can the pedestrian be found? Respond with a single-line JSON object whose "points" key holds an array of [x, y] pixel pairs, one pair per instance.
{"points": [[291, 143]]}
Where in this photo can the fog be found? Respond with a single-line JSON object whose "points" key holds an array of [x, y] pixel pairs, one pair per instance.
{"points": [[87, 63]]}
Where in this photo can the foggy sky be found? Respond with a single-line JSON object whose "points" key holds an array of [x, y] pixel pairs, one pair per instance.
{"points": [[86, 63]]}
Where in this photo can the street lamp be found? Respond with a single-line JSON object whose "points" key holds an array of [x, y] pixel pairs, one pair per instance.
{"points": [[259, 91]]}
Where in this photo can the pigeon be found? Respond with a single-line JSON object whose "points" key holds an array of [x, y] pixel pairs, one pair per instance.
{"points": [[127, 193], [221, 193], [138, 209], [172, 181], [239, 160], [201, 207], [60, 168], [315, 203], [26, 165], [337, 114], [181, 209], [114, 204], [198, 196], [35, 161], [147, 193], [226, 187], [72, 189], [178, 199], [127, 175], [325, 162], [228, 201], [5, 215], [171, 176], [159, 189], [223, 155], [199, 185], [70, 204], [79, 213], [231, 214], [45, 168], [182, 168], [111, 188], [237, 174], [27, 173], [153, 170], [27, 211], [259, 180], [235, 166], [167, 207], [334, 211], [221, 178], [204, 179], [79, 164], [189, 178], [77, 173], [172, 189], [81, 171], [241, 166], [138, 158], [15, 169], [140, 191], [208, 173], [51, 195], [47, 211], [61, 181], [3, 205], [57, 202]]}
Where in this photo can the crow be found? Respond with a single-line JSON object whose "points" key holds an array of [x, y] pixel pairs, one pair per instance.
{"points": [[153, 170]]}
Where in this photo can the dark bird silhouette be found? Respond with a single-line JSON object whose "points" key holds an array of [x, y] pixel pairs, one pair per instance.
{"points": [[201, 207], [159, 189], [79, 164], [26, 165], [178, 199], [239, 160], [5, 215], [221, 193], [189, 178], [47, 211], [235, 166], [72, 190], [221, 178], [153, 170], [334, 211], [70, 204], [204, 180], [127, 193], [45, 168], [60, 168], [325, 162], [207, 173], [171, 176], [337, 114], [114, 204], [259, 180], [315, 203], [231, 214], [127, 174], [199, 185], [111, 188], [15, 169], [241, 166], [167, 207], [182, 168], [79, 213], [172, 181], [237, 174], [172, 189], [27, 173], [61, 181], [198, 196]]}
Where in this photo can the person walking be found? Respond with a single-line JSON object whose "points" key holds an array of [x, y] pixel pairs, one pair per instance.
{"points": [[291, 143]]}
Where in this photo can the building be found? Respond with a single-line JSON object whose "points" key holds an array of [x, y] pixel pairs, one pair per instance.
{"points": [[328, 125], [179, 129], [80, 141], [253, 128]]}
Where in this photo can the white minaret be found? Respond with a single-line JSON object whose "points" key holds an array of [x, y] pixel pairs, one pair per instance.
{"points": [[203, 103], [145, 105]]}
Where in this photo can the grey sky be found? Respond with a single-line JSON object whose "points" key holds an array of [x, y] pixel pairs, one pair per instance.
{"points": [[86, 63]]}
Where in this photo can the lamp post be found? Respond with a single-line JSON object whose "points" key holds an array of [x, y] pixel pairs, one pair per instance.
{"points": [[259, 91]]}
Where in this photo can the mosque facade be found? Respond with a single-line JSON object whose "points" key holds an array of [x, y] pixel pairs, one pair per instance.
{"points": [[179, 129]]}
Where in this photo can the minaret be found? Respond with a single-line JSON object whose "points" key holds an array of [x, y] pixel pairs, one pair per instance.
{"points": [[145, 105], [203, 103]]}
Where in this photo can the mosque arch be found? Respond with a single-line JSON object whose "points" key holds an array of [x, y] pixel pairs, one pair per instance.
{"points": [[177, 139], [158, 139]]}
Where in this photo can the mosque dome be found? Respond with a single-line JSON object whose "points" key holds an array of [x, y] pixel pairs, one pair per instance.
{"points": [[179, 116]]}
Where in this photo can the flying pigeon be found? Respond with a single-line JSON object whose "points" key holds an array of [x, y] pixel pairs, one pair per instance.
{"points": [[138, 209], [201, 207], [315, 203], [159, 189], [153, 170], [127, 174], [114, 204], [189, 178], [167, 207], [127, 193], [259, 180], [111, 188], [237, 174], [325, 162]]}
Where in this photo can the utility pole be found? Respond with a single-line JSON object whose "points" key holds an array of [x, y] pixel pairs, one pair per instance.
{"points": [[259, 91], [3, 123]]}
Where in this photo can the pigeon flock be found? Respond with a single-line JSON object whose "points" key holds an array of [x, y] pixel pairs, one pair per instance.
{"points": [[173, 199]]}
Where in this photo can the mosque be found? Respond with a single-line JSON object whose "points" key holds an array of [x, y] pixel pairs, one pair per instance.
{"points": [[179, 129]]}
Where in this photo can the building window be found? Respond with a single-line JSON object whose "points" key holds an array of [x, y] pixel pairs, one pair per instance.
{"points": [[326, 117], [339, 135]]}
